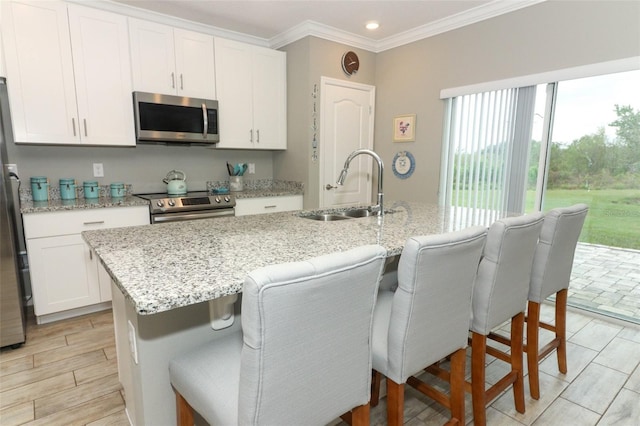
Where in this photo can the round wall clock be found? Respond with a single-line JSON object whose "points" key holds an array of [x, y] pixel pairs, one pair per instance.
{"points": [[350, 63], [403, 164]]}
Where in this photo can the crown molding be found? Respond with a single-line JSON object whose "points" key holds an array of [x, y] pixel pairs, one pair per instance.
{"points": [[480, 13]]}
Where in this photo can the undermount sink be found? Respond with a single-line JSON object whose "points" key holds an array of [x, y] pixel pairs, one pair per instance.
{"points": [[339, 215], [326, 217]]}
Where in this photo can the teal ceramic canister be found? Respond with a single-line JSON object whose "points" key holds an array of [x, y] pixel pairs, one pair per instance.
{"points": [[39, 188], [91, 189], [117, 190], [68, 189]]}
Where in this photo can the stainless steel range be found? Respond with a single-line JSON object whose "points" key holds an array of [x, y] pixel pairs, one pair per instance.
{"points": [[192, 205]]}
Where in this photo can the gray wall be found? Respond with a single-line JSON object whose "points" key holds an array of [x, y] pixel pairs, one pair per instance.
{"points": [[545, 37], [143, 166], [308, 60]]}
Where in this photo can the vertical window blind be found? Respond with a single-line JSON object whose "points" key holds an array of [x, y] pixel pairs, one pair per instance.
{"points": [[484, 134]]}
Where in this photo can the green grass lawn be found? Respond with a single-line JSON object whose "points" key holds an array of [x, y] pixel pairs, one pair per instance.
{"points": [[614, 215]]}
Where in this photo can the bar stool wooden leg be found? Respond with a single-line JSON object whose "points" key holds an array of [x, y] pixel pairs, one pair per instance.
{"points": [[184, 411], [360, 415], [517, 331], [533, 324], [478, 395], [395, 403], [375, 387], [561, 329], [457, 385]]}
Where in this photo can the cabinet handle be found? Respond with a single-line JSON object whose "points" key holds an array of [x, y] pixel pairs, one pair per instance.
{"points": [[258, 136], [251, 135], [73, 122], [205, 119], [85, 126], [90, 254], [95, 222], [270, 207], [173, 81], [181, 83]]}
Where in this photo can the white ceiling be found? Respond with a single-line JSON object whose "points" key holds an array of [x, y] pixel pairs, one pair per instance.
{"points": [[283, 21]]}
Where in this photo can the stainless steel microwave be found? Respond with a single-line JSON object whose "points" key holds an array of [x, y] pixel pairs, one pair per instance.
{"points": [[175, 119]]}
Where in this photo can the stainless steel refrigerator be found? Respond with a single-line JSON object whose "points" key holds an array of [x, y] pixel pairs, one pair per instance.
{"points": [[12, 318]]}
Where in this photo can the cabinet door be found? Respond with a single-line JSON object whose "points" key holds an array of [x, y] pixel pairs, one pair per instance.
{"points": [[62, 274], [195, 72], [40, 72], [269, 98], [152, 57], [103, 76], [235, 94]]}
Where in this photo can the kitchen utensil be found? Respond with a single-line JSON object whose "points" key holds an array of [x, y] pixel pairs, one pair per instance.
{"points": [[244, 169], [176, 181], [91, 190], [229, 169], [68, 189]]}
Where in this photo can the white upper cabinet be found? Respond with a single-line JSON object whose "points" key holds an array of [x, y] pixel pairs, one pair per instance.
{"points": [[68, 73], [251, 85], [171, 61], [100, 48]]}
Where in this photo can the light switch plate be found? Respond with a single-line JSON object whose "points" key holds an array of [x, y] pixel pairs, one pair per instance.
{"points": [[98, 170]]}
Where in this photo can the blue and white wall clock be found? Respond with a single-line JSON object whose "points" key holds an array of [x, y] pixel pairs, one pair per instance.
{"points": [[403, 164]]}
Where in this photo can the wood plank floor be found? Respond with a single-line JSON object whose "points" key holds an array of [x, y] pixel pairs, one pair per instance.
{"points": [[66, 374]]}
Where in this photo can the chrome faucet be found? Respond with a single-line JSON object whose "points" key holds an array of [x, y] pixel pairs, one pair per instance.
{"points": [[378, 208]]}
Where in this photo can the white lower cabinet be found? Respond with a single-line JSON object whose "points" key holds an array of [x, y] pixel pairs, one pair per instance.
{"points": [[66, 277], [260, 205]]}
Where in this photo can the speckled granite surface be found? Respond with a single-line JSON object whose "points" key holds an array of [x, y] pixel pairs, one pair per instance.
{"points": [[53, 205], [262, 188], [165, 266]]}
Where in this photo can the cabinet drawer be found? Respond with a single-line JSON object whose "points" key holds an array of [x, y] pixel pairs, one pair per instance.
{"points": [[246, 206], [48, 224]]}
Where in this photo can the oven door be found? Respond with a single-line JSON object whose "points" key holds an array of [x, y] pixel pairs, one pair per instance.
{"points": [[202, 214]]}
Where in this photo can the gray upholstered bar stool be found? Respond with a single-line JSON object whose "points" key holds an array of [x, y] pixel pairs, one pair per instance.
{"points": [[426, 318], [303, 355], [499, 295], [551, 273]]}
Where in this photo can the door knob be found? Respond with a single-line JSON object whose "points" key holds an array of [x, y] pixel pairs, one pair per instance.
{"points": [[329, 187]]}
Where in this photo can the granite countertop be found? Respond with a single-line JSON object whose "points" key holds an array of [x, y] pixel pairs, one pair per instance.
{"points": [[28, 206], [166, 266]]}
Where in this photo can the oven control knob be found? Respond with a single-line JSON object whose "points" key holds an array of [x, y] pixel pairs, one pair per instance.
{"points": [[226, 198], [217, 199], [171, 202], [160, 203]]}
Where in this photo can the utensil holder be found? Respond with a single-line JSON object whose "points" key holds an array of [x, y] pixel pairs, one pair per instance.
{"points": [[236, 183]]}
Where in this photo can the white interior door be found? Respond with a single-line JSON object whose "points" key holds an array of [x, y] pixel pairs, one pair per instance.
{"points": [[346, 117]]}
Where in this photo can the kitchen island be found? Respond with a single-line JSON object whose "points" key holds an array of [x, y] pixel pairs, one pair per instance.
{"points": [[165, 275]]}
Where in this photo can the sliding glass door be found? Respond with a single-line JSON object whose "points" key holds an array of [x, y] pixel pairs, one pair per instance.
{"points": [[585, 147]]}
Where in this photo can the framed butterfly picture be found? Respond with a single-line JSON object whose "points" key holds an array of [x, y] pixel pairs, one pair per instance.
{"points": [[404, 128]]}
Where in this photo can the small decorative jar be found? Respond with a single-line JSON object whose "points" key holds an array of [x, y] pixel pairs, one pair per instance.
{"points": [[39, 188], [68, 189], [117, 190], [91, 189]]}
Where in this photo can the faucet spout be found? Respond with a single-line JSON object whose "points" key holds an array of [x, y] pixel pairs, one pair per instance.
{"points": [[343, 175]]}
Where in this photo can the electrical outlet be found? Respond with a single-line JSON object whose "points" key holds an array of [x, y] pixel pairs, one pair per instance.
{"points": [[98, 170], [133, 347], [252, 168], [13, 168]]}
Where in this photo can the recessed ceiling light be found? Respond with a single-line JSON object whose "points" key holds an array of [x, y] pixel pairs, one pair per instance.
{"points": [[373, 25]]}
